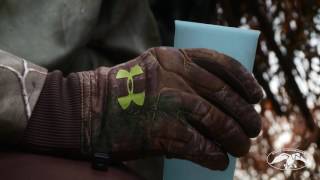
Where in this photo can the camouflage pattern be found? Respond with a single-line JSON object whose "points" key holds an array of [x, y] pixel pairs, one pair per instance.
{"points": [[21, 83]]}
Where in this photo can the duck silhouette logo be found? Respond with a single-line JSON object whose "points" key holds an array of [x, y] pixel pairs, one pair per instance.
{"points": [[287, 159]]}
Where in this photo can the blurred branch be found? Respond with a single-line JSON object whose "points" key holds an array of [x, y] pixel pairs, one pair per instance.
{"points": [[229, 12], [266, 87]]}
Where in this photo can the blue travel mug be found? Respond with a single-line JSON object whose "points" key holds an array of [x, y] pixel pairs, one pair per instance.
{"points": [[238, 43]]}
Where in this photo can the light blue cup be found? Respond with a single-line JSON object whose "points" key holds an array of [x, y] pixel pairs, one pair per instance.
{"points": [[238, 43]]}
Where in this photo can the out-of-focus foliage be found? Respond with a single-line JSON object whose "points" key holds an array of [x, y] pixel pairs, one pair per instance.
{"points": [[287, 66]]}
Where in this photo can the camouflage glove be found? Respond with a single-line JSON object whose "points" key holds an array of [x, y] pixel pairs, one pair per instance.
{"points": [[192, 104]]}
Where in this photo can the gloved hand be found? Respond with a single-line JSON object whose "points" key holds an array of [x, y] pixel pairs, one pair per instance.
{"points": [[192, 104]]}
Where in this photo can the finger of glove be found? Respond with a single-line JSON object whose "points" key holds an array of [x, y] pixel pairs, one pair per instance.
{"points": [[228, 69], [235, 106], [215, 124], [211, 88], [184, 142], [204, 152]]}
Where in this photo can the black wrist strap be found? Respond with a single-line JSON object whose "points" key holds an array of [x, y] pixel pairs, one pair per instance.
{"points": [[101, 161]]}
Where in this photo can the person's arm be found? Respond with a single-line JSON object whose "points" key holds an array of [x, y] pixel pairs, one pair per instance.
{"points": [[193, 104], [21, 83]]}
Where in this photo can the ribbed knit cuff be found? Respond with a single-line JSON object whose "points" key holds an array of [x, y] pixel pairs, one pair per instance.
{"points": [[55, 124]]}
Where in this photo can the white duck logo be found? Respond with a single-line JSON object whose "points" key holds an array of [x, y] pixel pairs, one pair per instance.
{"points": [[286, 159]]}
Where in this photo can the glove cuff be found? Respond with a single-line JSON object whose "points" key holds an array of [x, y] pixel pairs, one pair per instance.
{"points": [[94, 91]]}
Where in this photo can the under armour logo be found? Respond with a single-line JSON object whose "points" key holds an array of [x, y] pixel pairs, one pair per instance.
{"points": [[137, 98]]}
